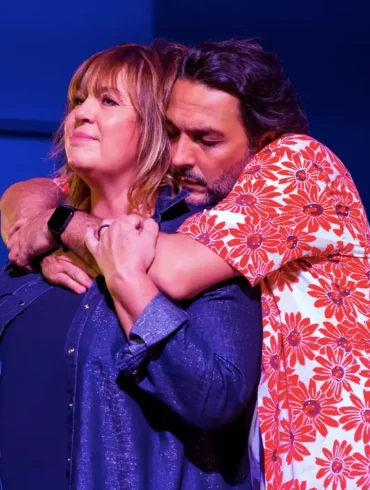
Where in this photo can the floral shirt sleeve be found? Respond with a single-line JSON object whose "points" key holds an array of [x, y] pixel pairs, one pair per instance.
{"points": [[295, 219], [63, 183], [293, 200]]}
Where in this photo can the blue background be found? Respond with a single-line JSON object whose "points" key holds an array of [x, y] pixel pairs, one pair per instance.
{"points": [[324, 47]]}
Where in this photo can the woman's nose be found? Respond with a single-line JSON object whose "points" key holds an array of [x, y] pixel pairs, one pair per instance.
{"points": [[85, 111]]}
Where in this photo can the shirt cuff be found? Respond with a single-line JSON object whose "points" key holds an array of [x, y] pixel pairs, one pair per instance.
{"points": [[160, 319]]}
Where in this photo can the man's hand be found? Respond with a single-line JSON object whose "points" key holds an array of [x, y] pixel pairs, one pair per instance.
{"points": [[67, 270], [28, 238], [127, 246], [28, 199]]}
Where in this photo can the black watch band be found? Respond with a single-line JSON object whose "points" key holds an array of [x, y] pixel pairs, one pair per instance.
{"points": [[58, 222]]}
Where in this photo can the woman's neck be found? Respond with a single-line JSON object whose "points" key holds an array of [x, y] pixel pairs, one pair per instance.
{"points": [[109, 202]]}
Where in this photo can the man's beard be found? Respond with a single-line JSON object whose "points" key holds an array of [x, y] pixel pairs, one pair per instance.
{"points": [[213, 192]]}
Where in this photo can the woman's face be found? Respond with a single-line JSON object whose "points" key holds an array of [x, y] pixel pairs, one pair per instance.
{"points": [[102, 134]]}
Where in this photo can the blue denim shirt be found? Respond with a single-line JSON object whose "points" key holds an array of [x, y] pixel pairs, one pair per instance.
{"points": [[168, 408]]}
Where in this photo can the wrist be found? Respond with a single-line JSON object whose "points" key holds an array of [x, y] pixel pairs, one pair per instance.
{"points": [[127, 282], [131, 294], [45, 220], [59, 221]]}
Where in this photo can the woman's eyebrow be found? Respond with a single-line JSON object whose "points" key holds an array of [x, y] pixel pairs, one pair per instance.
{"points": [[111, 90]]}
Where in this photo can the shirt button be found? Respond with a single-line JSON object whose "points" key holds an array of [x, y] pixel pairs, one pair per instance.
{"points": [[70, 405], [70, 351], [21, 303], [86, 306], [135, 372]]}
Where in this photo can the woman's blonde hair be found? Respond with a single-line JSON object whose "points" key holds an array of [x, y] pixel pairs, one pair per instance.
{"points": [[150, 74]]}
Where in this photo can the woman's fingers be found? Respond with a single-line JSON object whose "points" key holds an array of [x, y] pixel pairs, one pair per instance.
{"points": [[91, 241], [151, 230]]}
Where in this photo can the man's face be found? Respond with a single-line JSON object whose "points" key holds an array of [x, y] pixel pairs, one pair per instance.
{"points": [[209, 144]]}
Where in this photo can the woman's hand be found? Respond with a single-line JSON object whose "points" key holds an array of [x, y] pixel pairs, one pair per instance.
{"points": [[126, 246], [124, 253]]}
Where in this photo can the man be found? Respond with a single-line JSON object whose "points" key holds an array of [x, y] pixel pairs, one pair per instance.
{"points": [[293, 223], [228, 109]]}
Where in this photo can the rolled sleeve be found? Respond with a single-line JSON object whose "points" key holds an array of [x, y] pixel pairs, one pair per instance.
{"points": [[159, 320], [202, 363]]}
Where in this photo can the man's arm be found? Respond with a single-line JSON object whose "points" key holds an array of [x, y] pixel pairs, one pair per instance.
{"points": [[26, 200], [183, 267], [26, 208]]}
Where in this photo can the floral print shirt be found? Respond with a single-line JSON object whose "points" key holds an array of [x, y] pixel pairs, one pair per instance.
{"points": [[294, 223]]}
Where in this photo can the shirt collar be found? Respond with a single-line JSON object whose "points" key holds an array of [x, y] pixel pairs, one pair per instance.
{"points": [[166, 200]]}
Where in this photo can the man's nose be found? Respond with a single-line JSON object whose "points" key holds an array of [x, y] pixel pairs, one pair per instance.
{"points": [[182, 154]]}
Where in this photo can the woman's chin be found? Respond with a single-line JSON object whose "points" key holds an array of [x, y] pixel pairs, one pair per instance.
{"points": [[83, 166]]}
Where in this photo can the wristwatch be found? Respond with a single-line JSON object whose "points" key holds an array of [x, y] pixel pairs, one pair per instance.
{"points": [[58, 222]]}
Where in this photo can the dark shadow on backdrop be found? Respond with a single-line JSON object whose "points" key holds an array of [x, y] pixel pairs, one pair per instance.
{"points": [[324, 46]]}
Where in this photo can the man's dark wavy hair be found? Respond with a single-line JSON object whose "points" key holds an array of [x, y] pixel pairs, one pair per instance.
{"points": [[268, 101]]}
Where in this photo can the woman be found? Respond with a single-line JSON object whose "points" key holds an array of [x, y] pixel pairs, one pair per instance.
{"points": [[156, 403]]}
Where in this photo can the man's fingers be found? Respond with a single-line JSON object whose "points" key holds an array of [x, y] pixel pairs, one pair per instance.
{"points": [[13, 229], [11, 241], [22, 260], [64, 273], [91, 241], [65, 281], [77, 274], [13, 253]]}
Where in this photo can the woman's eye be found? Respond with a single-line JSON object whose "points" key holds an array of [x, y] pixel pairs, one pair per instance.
{"points": [[78, 101], [108, 101]]}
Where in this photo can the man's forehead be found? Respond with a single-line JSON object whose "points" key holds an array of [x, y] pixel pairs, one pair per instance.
{"points": [[201, 103]]}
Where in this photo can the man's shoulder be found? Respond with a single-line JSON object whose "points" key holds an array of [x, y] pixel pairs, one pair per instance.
{"points": [[63, 182], [303, 144]]}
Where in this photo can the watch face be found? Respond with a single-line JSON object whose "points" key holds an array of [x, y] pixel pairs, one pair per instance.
{"points": [[60, 218]]}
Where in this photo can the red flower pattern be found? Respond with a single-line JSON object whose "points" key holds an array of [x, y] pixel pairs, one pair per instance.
{"points": [[310, 254], [297, 173], [361, 469], [294, 439], [357, 417], [311, 210], [299, 342], [255, 199], [313, 406], [336, 466], [337, 371], [296, 244], [339, 299]]}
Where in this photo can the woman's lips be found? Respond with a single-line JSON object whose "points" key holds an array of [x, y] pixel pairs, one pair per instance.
{"points": [[80, 136]]}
